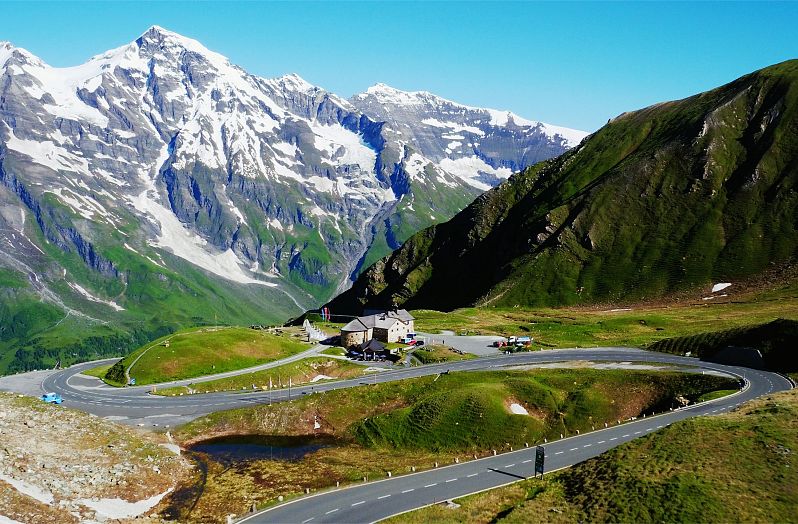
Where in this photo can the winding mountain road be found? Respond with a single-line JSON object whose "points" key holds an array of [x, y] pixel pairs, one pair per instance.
{"points": [[372, 501]]}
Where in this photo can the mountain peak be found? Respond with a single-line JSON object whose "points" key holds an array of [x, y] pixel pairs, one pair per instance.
{"points": [[8, 50], [390, 95], [175, 43], [297, 83]]}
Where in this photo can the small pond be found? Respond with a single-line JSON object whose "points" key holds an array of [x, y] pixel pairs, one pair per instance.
{"points": [[243, 448]]}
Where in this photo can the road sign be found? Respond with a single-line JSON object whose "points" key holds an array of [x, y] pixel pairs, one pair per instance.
{"points": [[540, 457]]}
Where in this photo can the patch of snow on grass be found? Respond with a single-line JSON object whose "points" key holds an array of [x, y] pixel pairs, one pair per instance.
{"points": [[43, 496], [86, 294], [122, 509], [321, 377], [518, 409], [720, 287]]}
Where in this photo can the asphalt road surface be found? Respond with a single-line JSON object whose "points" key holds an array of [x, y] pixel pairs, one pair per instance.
{"points": [[372, 501]]}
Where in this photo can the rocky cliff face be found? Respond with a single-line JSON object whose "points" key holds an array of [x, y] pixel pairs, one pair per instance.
{"points": [[670, 197], [159, 176]]}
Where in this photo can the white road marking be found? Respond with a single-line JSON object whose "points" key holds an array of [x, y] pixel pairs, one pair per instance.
{"points": [[409, 490], [625, 435], [430, 485], [558, 453], [451, 480], [525, 461], [573, 449], [332, 511], [602, 441], [614, 438], [308, 520], [472, 475], [358, 503], [507, 466], [637, 432], [386, 496]]}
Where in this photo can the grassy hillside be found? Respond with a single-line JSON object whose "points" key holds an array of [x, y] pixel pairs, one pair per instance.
{"points": [[736, 467], [204, 351], [776, 342], [47, 315], [672, 197], [467, 411], [424, 410], [639, 325]]}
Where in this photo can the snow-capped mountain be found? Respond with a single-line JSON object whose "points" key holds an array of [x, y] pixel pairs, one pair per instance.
{"points": [[161, 155], [480, 146]]}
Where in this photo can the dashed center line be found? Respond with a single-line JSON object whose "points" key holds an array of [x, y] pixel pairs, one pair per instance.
{"points": [[332, 511], [308, 520], [587, 445], [409, 490], [602, 441], [637, 432], [559, 453], [573, 449], [430, 485], [451, 480], [386, 496], [614, 438], [507, 466], [472, 475], [358, 503], [526, 461]]}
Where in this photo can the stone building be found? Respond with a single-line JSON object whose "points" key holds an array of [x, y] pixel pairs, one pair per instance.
{"points": [[388, 326]]}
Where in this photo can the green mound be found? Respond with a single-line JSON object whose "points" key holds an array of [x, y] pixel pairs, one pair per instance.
{"points": [[205, 351], [300, 372], [471, 411]]}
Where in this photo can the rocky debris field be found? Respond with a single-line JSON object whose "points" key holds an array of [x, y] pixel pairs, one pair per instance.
{"points": [[60, 465]]}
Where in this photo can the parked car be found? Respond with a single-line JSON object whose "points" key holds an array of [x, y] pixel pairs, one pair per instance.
{"points": [[52, 398], [419, 343]]}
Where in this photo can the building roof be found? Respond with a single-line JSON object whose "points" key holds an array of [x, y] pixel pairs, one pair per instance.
{"points": [[382, 320], [372, 345], [356, 325]]}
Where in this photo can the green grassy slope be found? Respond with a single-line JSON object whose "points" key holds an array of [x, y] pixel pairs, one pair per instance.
{"points": [[198, 352], [668, 198], [467, 411], [736, 467], [300, 372]]}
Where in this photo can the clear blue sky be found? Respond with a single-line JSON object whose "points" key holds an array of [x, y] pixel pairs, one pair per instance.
{"points": [[572, 64]]}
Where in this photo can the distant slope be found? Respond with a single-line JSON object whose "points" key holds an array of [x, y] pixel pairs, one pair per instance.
{"points": [[662, 199]]}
